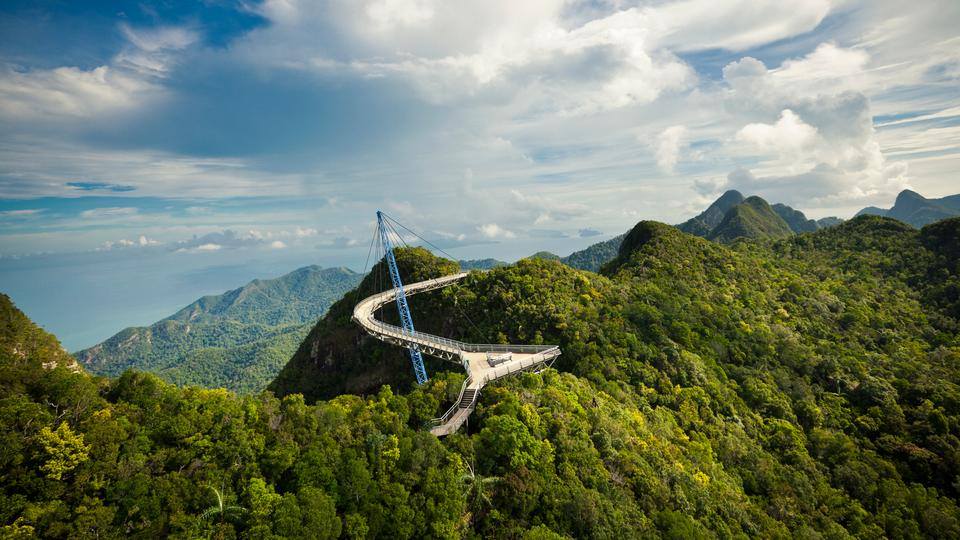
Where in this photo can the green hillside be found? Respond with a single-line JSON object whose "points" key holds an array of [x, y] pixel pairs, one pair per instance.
{"points": [[810, 383], [704, 224], [799, 388], [917, 210], [753, 218], [480, 264], [23, 341], [237, 340], [594, 256], [706, 221], [795, 219]]}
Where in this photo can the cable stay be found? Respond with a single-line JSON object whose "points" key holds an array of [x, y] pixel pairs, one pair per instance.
{"points": [[406, 320]]}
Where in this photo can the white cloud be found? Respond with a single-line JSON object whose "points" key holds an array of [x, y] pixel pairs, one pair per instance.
{"points": [[789, 137], [278, 244], [822, 149], [69, 91], [542, 209], [670, 142], [131, 79], [492, 231], [734, 25], [140, 242], [301, 232], [537, 52], [389, 14], [21, 213], [109, 212]]}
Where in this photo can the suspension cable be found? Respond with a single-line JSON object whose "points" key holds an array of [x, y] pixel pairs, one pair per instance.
{"points": [[431, 244], [390, 222]]}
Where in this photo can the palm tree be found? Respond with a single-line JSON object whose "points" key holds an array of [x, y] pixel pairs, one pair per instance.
{"points": [[220, 510], [475, 489]]}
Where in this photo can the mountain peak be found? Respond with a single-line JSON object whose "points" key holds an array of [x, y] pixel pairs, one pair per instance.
{"points": [[702, 224], [909, 194], [730, 195], [753, 218]]}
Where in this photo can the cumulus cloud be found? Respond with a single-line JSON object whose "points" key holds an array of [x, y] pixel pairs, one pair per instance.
{"points": [[822, 147], [494, 231], [130, 80], [141, 242], [670, 142], [789, 137], [543, 52], [533, 56]]}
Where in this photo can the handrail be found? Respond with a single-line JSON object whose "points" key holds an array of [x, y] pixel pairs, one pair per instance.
{"points": [[456, 406], [450, 345]]}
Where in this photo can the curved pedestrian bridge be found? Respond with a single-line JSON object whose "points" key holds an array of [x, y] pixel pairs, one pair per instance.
{"points": [[483, 362]]}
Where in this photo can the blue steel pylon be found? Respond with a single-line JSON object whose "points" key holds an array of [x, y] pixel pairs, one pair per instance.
{"points": [[405, 319]]}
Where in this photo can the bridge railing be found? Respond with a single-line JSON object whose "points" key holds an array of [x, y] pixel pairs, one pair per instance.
{"points": [[452, 344], [366, 308], [445, 417], [512, 367]]}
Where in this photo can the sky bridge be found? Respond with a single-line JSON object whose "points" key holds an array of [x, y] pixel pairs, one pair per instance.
{"points": [[483, 362]]}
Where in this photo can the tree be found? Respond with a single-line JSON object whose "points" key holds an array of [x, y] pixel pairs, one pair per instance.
{"points": [[475, 490], [64, 448], [221, 512]]}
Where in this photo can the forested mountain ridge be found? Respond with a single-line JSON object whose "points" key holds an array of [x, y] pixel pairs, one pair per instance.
{"points": [[706, 221], [707, 225], [593, 257], [753, 218], [917, 210], [796, 219], [21, 339], [238, 340], [816, 371], [804, 387]]}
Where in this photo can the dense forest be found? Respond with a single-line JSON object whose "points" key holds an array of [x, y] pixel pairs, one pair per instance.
{"points": [[805, 387]]}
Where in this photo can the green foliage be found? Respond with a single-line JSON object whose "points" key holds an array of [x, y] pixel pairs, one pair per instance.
{"points": [[915, 209], [797, 221], [706, 221], [64, 448], [806, 387], [480, 264], [20, 339], [595, 256], [753, 218], [545, 255], [801, 387], [237, 340]]}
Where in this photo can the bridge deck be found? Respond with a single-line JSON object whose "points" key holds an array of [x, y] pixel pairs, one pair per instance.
{"points": [[474, 357]]}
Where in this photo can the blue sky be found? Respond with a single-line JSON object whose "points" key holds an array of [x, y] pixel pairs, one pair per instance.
{"points": [[146, 144]]}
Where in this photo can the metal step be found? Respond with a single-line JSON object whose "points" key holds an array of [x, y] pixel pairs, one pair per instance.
{"points": [[467, 398]]}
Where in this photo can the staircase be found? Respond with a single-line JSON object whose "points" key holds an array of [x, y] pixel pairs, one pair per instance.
{"points": [[466, 400], [458, 414]]}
